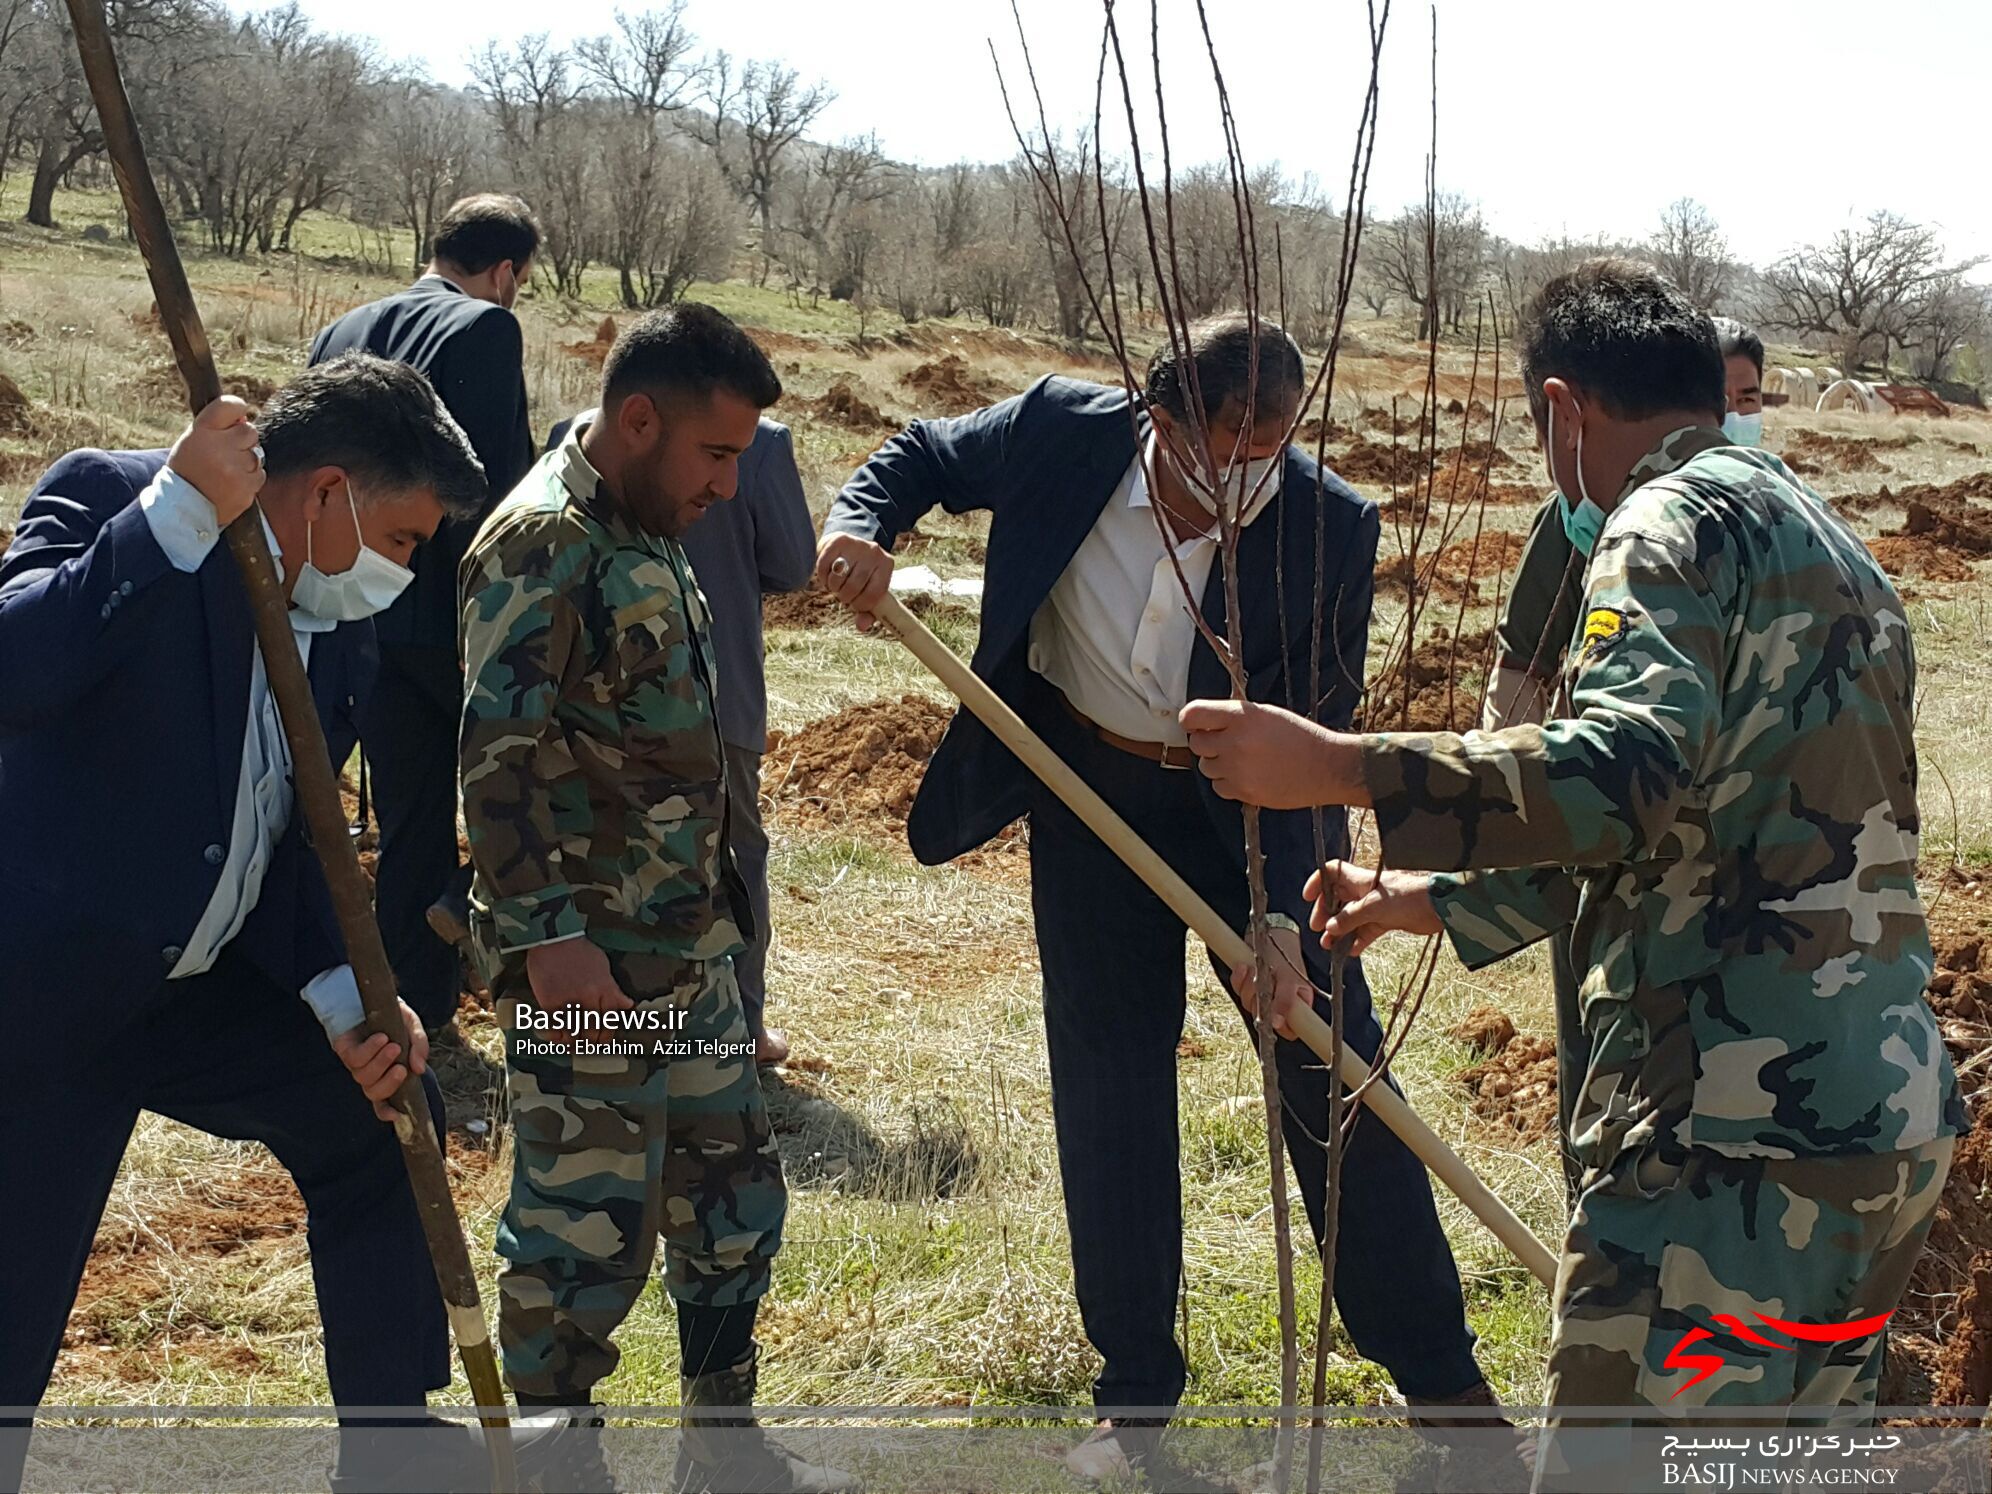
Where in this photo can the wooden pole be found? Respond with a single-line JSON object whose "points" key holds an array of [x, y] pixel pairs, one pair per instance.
{"points": [[311, 765], [1223, 940]]}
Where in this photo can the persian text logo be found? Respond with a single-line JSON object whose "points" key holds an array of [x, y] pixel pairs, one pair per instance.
{"points": [[1811, 1333]]}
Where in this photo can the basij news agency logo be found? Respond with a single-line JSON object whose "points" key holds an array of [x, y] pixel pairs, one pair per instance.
{"points": [[1705, 1363]]}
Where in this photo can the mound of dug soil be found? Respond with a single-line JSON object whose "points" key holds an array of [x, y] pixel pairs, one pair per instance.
{"points": [[1514, 1085], [949, 384], [1370, 461], [860, 767], [1443, 693], [14, 407], [808, 608], [844, 405], [1920, 557], [1809, 452]]}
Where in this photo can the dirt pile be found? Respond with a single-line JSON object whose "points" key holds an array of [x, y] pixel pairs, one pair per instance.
{"points": [[1370, 461], [1809, 452], [1513, 1086], [860, 767], [1920, 557], [1437, 689], [15, 410], [845, 406], [950, 385], [808, 608], [595, 350]]}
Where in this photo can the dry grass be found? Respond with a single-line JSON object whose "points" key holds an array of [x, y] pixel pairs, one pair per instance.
{"points": [[926, 1258]]}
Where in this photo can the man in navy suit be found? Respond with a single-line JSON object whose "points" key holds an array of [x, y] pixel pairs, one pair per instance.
{"points": [[1096, 529], [161, 911], [455, 326]]}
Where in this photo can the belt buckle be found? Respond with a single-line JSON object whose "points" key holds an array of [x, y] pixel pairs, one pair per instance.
{"points": [[1168, 759]]}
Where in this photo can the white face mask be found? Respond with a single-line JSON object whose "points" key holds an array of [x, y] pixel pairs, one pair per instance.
{"points": [[1744, 430], [369, 585], [1249, 484]]}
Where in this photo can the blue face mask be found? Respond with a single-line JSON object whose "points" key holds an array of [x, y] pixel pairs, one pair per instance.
{"points": [[1744, 430], [1583, 521]]}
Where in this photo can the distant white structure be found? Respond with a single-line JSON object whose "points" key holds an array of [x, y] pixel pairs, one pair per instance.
{"points": [[1853, 394]]}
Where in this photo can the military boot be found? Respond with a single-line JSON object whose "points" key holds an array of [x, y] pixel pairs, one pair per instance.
{"points": [[559, 1450], [731, 1454]]}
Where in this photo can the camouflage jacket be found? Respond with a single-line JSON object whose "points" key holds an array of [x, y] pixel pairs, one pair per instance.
{"points": [[594, 787], [1724, 806]]}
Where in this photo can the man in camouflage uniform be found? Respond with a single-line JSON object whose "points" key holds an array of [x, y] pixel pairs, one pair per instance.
{"points": [[1721, 816], [606, 911], [1538, 618]]}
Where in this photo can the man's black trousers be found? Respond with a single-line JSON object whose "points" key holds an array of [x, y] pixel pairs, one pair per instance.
{"points": [[230, 1053], [1112, 955], [408, 730]]}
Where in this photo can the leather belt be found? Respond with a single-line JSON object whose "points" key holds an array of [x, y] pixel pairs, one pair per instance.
{"points": [[1168, 754]]}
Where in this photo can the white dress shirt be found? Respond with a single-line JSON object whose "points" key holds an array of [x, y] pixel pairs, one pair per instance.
{"points": [[184, 523], [1116, 633]]}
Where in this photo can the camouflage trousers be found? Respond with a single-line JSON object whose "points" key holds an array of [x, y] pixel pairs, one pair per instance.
{"points": [[1671, 1270], [612, 1152]]}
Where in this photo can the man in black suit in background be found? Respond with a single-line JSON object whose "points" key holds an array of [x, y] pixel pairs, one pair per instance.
{"points": [[456, 326]]}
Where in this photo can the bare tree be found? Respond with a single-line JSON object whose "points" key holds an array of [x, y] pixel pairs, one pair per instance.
{"points": [[645, 63], [1950, 315], [545, 137], [1433, 255], [1689, 250], [757, 114], [426, 138], [1860, 288]]}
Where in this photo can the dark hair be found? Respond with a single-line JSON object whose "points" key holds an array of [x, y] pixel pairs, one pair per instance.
{"points": [[687, 349], [379, 420], [1734, 338], [479, 231], [1222, 348], [1621, 332]]}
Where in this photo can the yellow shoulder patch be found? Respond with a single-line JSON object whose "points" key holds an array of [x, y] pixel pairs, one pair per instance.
{"points": [[1601, 626]]}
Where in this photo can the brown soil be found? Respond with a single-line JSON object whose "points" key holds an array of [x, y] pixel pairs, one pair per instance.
{"points": [[1443, 694], [860, 767], [15, 410], [596, 349], [1514, 1084], [858, 770], [1485, 1029], [1809, 452], [947, 383], [808, 608], [913, 542], [1919, 556], [843, 404], [1949, 1299], [1954, 526], [1975, 487], [1377, 462]]}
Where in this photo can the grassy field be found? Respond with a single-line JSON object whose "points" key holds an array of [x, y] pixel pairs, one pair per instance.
{"points": [[926, 1255]]}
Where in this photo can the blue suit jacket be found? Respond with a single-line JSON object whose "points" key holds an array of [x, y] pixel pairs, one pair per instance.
{"points": [[473, 353], [1044, 465], [124, 699]]}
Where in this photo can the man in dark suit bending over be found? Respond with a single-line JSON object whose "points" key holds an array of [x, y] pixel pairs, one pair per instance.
{"points": [[1087, 634], [454, 325], [161, 911]]}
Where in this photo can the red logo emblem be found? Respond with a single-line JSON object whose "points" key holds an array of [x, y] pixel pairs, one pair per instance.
{"points": [[1811, 1333]]}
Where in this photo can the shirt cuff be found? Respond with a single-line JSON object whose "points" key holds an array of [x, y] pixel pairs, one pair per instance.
{"points": [[181, 519], [334, 998]]}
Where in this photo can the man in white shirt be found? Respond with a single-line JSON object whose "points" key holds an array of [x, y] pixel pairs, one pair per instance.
{"points": [[1099, 534], [161, 910]]}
